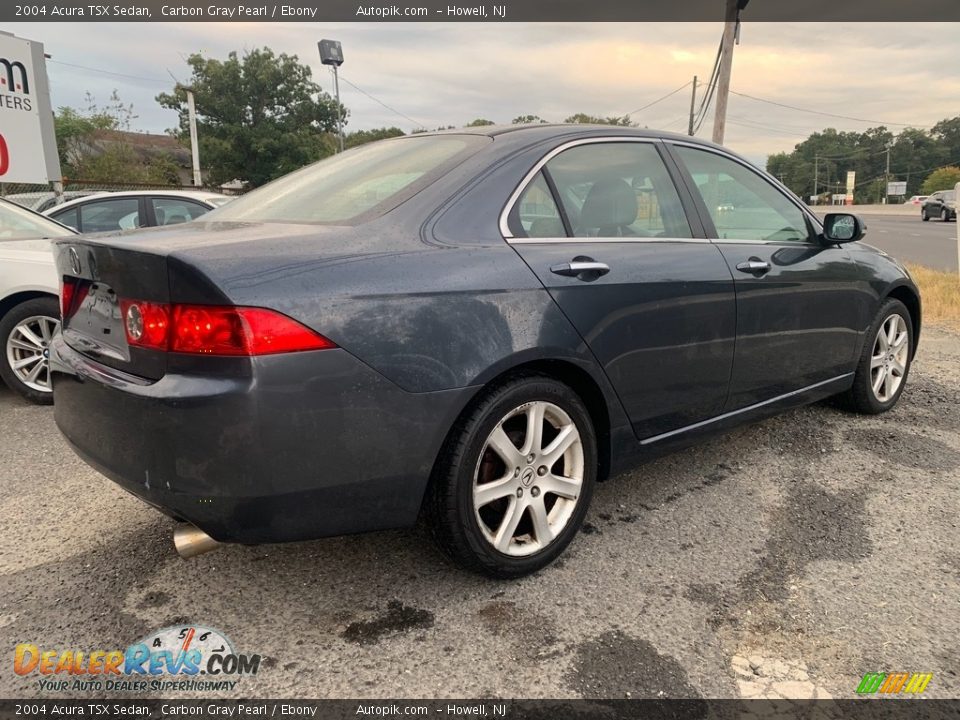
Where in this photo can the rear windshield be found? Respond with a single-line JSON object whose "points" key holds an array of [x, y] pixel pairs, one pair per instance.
{"points": [[17, 223], [354, 186]]}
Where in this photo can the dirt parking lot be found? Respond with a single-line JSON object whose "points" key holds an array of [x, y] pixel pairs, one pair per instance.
{"points": [[785, 558]]}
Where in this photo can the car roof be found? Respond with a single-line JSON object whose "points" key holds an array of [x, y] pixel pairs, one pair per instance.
{"points": [[189, 194]]}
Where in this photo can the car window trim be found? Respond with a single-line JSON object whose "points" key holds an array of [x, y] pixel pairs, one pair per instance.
{"points": [[813, 222]]}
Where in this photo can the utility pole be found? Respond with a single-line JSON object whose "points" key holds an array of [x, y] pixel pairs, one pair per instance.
{"points": [[731, 36], [816, 177], [194, 147], [886, 177], [693, 100], [331, 53]]}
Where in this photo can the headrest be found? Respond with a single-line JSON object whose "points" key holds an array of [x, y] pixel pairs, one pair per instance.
{"points": [[609, 203]]}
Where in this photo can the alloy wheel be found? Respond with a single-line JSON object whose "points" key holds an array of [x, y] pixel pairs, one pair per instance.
{"points": [[528, 479], [888, 361], [28, 351]]}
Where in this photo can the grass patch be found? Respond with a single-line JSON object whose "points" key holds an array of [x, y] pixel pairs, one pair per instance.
{"points": [[940, 295]]}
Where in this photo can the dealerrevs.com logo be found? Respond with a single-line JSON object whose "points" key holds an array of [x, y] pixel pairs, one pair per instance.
{"points": [[188, 658]]}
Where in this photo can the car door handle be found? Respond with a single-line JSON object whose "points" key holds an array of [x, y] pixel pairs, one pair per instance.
{"points": [[754, 266], [582, 269]]}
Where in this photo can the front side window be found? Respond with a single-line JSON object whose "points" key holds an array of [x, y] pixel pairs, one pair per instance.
{"points": [[618, 189], [742, 204]]}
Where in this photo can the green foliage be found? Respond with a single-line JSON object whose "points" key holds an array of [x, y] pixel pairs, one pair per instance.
{"points": [[527, 120], [364, 136], [259, 116], [584, 119], [830, 154], [479, 122], [944, 178]]}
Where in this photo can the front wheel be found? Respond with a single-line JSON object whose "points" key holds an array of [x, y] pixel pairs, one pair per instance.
{"points": [[881, 374], [924, 216], [26, 331], [944, 215], [514, 482]]}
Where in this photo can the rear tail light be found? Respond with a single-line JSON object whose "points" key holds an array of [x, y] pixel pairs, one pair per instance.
{"points": [[216, 329], [68, 287]]}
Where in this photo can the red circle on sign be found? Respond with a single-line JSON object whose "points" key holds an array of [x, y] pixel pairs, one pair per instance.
{"points": [[4, 156]]}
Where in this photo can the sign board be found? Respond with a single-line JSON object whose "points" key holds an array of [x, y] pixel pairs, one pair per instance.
{"points": [[28, 146], [851, 183], [897, 188]]}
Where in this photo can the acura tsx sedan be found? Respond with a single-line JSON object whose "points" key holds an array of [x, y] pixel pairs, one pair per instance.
{"points": [[473, 326]]}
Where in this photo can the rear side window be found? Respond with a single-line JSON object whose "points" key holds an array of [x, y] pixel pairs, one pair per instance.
{"points": [[742, 204], [537, 212], [618, 189], [354, 186]]}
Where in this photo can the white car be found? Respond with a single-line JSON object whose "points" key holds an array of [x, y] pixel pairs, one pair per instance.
{"points": [[916, 199], [112, 211], [29, 304]]}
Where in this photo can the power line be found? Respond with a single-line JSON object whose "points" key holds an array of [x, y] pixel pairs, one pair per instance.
{"points": [[416, 123], [711, 89], [818, 112], [669, 94], [110, 72]]}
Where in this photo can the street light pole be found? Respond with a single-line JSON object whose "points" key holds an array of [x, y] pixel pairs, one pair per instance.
{"points": [[194, 147], [336, 92], [331, 53], [693, 100]]}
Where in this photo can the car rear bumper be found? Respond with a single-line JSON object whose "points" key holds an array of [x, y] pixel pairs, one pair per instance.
{"points": [[302, 445]]}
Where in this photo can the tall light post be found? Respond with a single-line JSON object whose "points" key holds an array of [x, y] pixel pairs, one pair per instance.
{"points": [[194, 146], [331, 53]]}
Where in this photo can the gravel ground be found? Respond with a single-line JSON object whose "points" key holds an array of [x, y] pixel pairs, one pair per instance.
{"points": [[785, 558]]}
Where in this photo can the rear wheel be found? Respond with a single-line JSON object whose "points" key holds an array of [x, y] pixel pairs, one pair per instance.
{"points": [[26, 331], [945, 215], [512, 487], [881, 374]]}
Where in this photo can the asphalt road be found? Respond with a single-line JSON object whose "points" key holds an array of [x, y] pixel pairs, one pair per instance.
{"points": [[788, 557], [931, 243]]}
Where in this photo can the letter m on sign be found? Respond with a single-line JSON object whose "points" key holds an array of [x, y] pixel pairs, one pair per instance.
{"points": [[871, 683]]}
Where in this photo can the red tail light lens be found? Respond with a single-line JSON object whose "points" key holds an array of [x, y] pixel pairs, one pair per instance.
{"points": [[68, 286], [216, 330]]}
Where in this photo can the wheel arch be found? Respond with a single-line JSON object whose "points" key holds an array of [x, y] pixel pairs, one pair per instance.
{"points": [[909, 297], [11, 301]]}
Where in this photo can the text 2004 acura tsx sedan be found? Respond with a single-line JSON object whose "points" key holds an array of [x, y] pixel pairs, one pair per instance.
{"points": [[474, 325]]}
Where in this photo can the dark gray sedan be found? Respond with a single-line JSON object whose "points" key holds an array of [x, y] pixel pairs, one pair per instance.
{"points": [[476, 326]]}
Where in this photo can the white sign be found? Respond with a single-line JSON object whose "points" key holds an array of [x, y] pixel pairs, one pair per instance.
{"points": [[28, 147], [897, 188], [851, 184]]}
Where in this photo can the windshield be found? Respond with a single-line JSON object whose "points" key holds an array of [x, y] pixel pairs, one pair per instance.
{"points": [[359, 184], [17, 223]]}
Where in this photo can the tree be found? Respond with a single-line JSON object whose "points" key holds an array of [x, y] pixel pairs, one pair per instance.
{"points": [[584, 119], [527, 120], [360, 137], [479, 122], [258, 116], [941, 179]]}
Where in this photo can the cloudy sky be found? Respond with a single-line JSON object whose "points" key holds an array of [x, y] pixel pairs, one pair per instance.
{"points": [[447, 74]]}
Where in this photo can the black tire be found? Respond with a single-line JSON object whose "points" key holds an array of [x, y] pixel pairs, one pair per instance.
{"points": [[924, 216], [44, 306], [861, 397], [944, 215], [449, 507]]}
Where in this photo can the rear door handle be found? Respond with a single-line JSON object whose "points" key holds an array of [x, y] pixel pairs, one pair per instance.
{"points": [[588, 269], [754, 266]]}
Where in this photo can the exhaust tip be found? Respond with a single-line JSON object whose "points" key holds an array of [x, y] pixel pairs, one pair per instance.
{"points": [[191, 541]]}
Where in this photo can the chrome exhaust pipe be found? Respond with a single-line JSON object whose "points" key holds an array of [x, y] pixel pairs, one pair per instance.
{"points": [[191, 541]]}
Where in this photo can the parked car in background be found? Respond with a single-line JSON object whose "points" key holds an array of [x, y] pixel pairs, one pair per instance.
{"points": [[474, 325], [29, 309], [129, 210], [941, 204], [917, 199], [41, 201]]}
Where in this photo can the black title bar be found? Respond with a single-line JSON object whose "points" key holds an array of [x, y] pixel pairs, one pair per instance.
{"points": [[467, 11]]}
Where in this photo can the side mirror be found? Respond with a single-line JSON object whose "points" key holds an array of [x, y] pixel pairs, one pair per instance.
{"points": [[843, 228]]}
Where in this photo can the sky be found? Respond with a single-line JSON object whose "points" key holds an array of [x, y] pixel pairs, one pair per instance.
{"points": [[439, 74]]}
